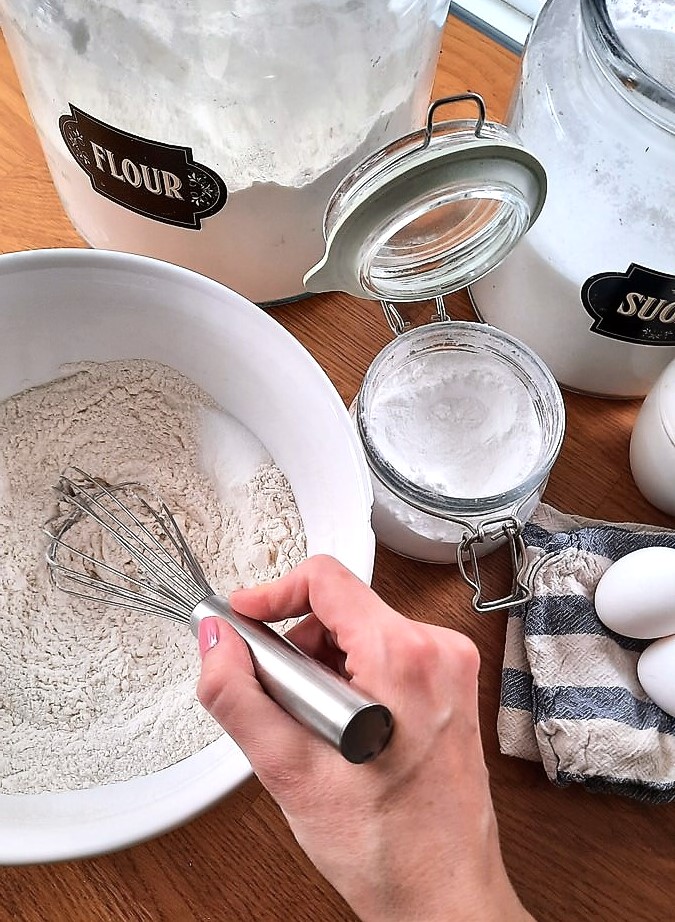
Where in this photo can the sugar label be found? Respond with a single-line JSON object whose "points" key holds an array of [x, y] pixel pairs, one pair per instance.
{"points": [[636, 306]]}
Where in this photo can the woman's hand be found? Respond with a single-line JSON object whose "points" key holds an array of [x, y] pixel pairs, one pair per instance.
{"points": [[412, 835]]}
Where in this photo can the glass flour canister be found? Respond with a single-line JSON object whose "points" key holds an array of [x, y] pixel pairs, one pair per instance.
{"points": [[211, 134], [592, 286], [460, 422]]}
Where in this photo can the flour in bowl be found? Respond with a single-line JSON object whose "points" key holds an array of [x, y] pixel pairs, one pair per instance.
{"points": [[90, 695]]}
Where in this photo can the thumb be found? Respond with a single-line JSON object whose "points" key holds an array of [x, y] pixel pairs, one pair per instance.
{"points": [[230, 692]]}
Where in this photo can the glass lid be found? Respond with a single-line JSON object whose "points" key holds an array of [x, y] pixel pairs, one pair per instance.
{"points": [[430, 213]]}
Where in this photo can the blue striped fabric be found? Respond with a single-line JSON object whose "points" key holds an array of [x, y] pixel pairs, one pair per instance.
{"points": [[606, 541], [516, 690], [596, 732], [571, 614], [592, 703]]}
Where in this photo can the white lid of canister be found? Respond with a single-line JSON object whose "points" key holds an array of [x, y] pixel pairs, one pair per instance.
{"points": [[665, 398], [652, 444]]}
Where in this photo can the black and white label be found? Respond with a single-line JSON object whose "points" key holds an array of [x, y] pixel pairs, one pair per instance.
{"points": [[636, 306], [159, 181]]}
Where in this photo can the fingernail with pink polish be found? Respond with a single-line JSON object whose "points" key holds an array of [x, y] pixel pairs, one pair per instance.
{"points": [[209, 634]]}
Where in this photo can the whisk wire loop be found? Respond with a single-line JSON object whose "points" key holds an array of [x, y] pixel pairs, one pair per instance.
{"points": [[119, 596], [171, 584], [146, 548]]}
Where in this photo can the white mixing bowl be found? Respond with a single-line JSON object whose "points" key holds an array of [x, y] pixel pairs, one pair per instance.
{"points": [[59, 306]]}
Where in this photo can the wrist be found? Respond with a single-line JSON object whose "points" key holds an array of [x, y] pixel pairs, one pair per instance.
{"points": [[452, 907], [460, 894]]}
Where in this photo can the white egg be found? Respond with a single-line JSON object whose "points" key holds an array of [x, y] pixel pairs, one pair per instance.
{"points": [[656, 672], [636, 595]]}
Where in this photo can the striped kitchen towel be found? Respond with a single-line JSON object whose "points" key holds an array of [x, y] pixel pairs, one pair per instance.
{"points": [[570, 694]]}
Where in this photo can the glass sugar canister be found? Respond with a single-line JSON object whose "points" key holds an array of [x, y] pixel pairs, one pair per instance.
{"points": [[211, 134], [592, 286], [460, 422]]}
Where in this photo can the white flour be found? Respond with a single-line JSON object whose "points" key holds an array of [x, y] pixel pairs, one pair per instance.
{"points": [[90, 696]]}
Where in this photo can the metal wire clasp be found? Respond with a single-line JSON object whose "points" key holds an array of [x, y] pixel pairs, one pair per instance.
{"points": [[449, 100], [467, 561], [398, 323]]}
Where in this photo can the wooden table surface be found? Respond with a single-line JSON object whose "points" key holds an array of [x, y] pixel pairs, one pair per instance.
{"points": [[572, 855]]}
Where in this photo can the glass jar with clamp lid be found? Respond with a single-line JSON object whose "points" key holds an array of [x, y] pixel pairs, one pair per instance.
{"points": [[460, 422]]}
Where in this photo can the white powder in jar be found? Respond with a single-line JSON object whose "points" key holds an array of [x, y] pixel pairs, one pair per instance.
{"points": [[463, 426], [91, 695]]}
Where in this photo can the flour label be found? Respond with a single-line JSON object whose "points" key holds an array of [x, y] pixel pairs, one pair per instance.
{"points": [[636, 306], [159, 181]]}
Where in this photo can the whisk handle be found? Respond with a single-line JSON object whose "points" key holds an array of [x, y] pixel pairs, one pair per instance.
{"points": [[308, 690]]}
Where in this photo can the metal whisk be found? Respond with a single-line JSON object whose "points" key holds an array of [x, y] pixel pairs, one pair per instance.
{"points": [[151, 569]]}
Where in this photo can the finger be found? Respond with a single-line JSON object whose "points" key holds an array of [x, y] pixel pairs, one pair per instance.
{"points": [[345, 606], [312, 638], [352, 613], [230, 692]]}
